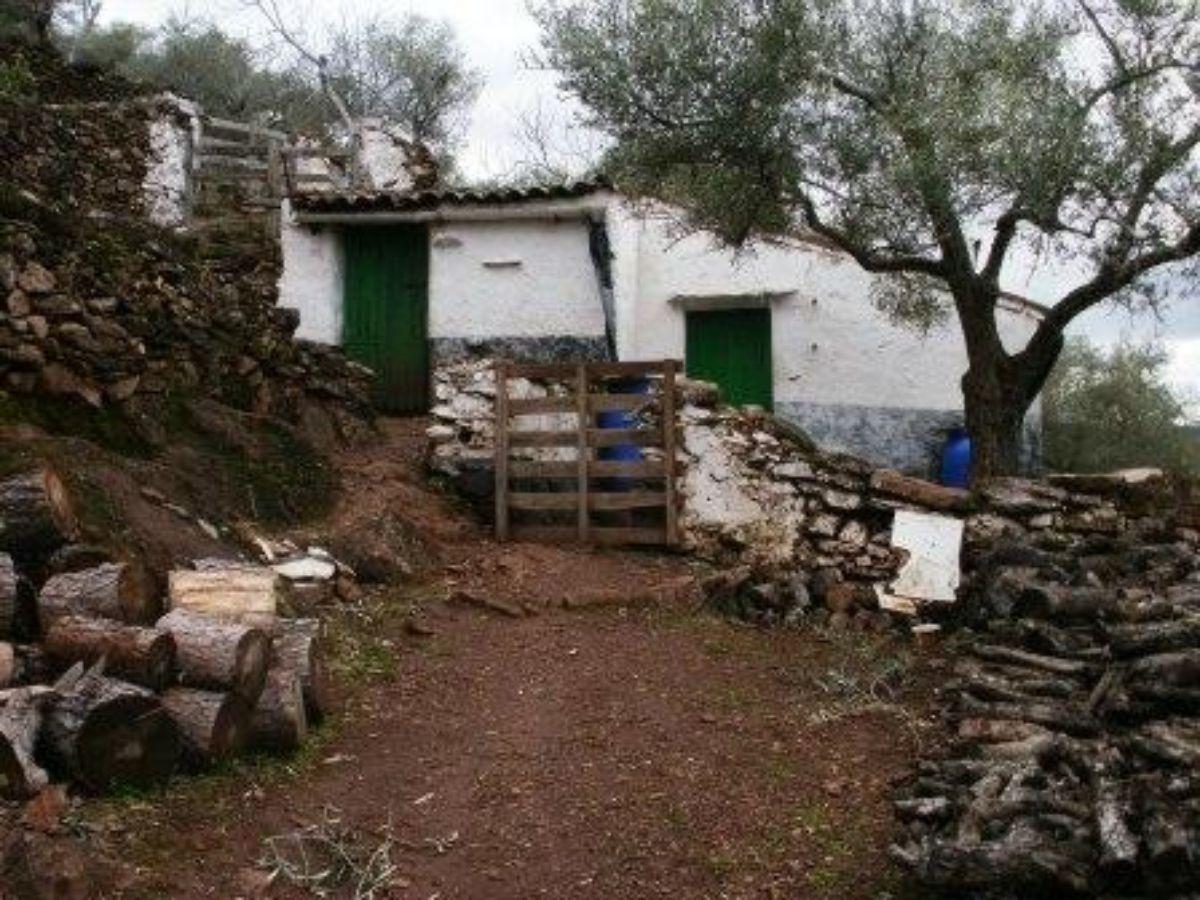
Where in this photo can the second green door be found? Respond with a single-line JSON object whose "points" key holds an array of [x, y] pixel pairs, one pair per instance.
{"points": [[732, 347]]}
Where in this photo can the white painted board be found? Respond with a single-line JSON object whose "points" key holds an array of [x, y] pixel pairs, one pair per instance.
{"points": [[934, 543]]}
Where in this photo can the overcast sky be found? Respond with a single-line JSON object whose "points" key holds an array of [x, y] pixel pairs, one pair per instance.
{"points": [[497, 33]]}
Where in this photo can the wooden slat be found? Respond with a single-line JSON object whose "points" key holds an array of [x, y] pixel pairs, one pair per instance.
{"points": [[539, 438], [627, 500], [541, 370], [624, 402], [625, 369], [552, 500], [502, 445], [545, 500], [314, 153], [212, 123], [616, 437], [548, 534], [668, 390], [582, 421], [597, 468], [529, 406], [633, 468]]}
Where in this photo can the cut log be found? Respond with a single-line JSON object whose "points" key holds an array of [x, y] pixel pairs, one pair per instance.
{"points": [[103, 732], [36, 516], [20, 723], [214, 726], [239, 592], [1180, 669], [1154, 637], [1001, 654], [219, 655], [8, 597], [299, 645], [145, 656], [279, 723], [1057, 716], [1067, 603], [123, 592]]}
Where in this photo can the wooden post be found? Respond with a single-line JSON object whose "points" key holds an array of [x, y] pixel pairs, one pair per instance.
{"points": [[501, 451], [668, 426], [275, 171], [581, 412]]}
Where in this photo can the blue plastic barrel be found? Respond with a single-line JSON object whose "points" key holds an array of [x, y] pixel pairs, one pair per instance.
{"points": [[956, 459], [620, 419]]}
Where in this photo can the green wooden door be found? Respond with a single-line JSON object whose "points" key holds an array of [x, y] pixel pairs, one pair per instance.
{"points": [[733, 348], [386, 312]]}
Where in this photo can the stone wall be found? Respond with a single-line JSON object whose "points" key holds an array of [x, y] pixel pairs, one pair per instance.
{"points": [[795, 529]]}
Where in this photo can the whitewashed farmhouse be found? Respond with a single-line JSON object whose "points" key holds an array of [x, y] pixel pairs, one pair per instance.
{"points": [[406, 281]]}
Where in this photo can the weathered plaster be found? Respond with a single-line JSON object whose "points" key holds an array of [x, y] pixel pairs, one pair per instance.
{"points": [[513, 279], [383, 155], [313, 268], [173, 135]]}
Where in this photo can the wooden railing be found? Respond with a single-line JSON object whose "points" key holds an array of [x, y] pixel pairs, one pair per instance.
{"points": [[608, 501], [262, 164]]}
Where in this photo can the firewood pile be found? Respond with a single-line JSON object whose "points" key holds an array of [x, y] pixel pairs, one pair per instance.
{"points": [[100, 686], [1078, 729]]}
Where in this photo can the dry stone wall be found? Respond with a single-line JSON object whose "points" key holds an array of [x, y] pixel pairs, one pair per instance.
{"points": [[797, 531]]}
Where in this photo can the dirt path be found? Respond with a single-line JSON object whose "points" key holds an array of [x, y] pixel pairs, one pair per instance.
{"points": [[621, 751]]}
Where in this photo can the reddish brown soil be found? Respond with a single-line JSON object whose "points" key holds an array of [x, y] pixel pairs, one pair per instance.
{"points": [[637, 751]]}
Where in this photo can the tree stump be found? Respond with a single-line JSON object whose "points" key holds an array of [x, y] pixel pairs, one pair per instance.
{"points": [[219, 655], [145, 656], [299, 645], [20, 723], [123, 592], [102, 732], [214, 726], [279, 723], [36, 516]]}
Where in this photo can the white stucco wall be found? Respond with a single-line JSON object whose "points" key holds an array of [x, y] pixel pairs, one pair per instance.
{"points": [[513, 278], [830, 345], [313, 266]]}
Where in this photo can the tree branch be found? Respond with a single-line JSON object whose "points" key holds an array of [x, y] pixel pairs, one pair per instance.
{"points": [[870, 260]]}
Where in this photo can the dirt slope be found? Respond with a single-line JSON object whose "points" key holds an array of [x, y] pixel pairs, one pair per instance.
{"points": [[647, 750]]}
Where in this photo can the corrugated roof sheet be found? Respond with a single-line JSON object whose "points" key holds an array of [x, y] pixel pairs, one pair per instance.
{"points": [[408, 201]]}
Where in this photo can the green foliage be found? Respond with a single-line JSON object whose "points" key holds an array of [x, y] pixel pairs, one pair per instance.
{"points": [[410, 71], [17, 83], [1106, 411]]}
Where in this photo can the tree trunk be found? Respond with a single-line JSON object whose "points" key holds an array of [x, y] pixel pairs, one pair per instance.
{"points": [[123, 592], [217, 655], [995, 420], [145, 656], [299, 645], [20, 722], [214, 726], [998, 389], [36, 516], [279, 723], [103, 732]]}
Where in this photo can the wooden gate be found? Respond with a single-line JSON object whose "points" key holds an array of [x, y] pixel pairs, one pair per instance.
{"points": [[603, 501]]}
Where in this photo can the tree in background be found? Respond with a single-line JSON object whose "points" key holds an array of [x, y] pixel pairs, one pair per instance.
{"points": [[1106, 411], [410, 71], [925, 138]]}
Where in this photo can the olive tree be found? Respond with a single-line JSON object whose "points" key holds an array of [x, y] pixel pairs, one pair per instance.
{"points": [[1115, 410], [928, 139]]}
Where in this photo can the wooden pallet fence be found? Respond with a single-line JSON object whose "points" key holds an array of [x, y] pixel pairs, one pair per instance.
{"points": [[609, 501]]}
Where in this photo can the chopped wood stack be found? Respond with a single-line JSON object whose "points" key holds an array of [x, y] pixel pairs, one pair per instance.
{"points": [[145, 693], [1078, 724]]}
